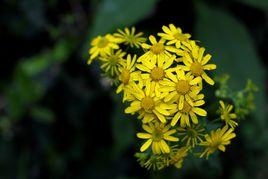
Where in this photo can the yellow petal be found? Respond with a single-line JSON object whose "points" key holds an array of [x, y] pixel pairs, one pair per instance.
{"points": [[160, 116], [181, 102], [146, 145], [171, 138], [162, 111], [175, 119], [207, 78], [199, 111], [210, 67], [144, 135], [164, 146]]}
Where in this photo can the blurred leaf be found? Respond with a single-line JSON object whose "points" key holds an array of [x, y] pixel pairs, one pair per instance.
{"points": [[112, 14], [33, 76], [232, 49], [42, 114], [123, 128], [261, 4], [34, 11]]}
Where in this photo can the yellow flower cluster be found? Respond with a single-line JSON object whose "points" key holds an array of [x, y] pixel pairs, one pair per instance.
{"points": [[163, 85]]}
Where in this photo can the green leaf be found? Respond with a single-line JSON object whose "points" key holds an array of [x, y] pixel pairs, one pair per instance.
{"points": [[122, 128], [112, 14], [261, 4], [42, 114], [232, 49]]}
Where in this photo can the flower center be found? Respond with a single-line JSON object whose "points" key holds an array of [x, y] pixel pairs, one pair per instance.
{"points": [[180, 37], [186, 107], [192, 133], [157, 74], [226, 115], [103, 42], [158, 48], [147, 103], [182, 87], [157, 135], [196, 69], [125, 75]]}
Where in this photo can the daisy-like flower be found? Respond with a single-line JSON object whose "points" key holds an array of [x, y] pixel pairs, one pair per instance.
{"points": [[155, 70], [128, 37], [181, 87], [177, 156], [157, 135], [147, 104], [102, 45], [196, 63], [191, 135], [156, 50], [189, 112], [226, 114], [174, 35], [110, 63], [127, 74], [217, 140]]}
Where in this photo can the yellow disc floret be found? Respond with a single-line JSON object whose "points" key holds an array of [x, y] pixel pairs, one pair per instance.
{"points": [[157, 48], [157, 73], [183, 87], [147, 104]]}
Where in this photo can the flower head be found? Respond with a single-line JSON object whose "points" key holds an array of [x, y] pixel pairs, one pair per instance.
{"points": [[157, 135], [191, 135], [128, 37], [110, 63], [155, 71], [180, 87], [147, 104], [217, 140], [189, 111], [102, 45], [174, 35], [177, 156], [156, 50], [227, 116], [196, 63], [127, 75]]}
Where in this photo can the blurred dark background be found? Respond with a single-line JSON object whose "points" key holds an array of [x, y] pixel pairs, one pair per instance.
{"points": [[58, 119]]}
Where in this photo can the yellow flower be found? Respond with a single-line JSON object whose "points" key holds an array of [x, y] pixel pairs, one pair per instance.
{"points": [[178, 156], [192, 135], [156, 137], [111, 62], [196, 63], [189, 112], [180, 87], [102, 45], [127, 74], [227, 116], [155, 70], [146, 103], [128, 37], [156, 50], [174, 35], [217, 140]]}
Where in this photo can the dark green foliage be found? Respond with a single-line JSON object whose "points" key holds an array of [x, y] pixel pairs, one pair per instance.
{"points": [[57, 118]]}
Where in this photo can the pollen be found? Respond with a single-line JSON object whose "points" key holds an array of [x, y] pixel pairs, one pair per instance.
{"points": [[103, 42], [157, 74], [147, 104], [196, 69], [157, 48], [182, 87], [125, 76]]}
